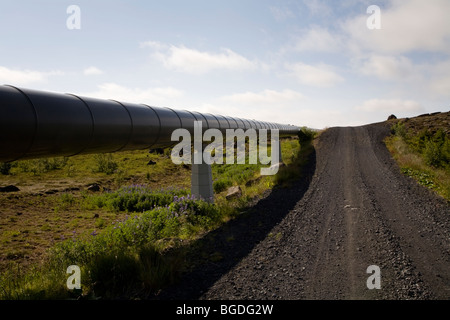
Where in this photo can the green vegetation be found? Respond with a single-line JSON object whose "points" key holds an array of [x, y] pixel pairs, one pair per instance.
{"points": [[127, 257], [121, 257], [36, 166], [134, 198], [105, 163], [5, 168], [136, 242], [434, 147], [293, 160], [423, 155]]}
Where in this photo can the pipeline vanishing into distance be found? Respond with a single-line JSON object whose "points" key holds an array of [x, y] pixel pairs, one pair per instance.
{"points": [[37, 124]]}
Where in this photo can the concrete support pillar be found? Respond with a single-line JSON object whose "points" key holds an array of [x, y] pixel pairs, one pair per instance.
{"points": [[201, 182]]}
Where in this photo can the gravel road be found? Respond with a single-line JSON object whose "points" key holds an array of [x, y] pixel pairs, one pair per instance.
{"points": [[315, 240]]}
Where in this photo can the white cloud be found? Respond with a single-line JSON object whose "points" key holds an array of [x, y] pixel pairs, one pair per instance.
{"points": [[152, 96], [267, 105], [406, 26], [398, 53], [390, 67], [152, 44], [193, 61], [183, 59], [321, 75], [25, 77], [92, 71], [266, 98], [318, 39], [390, 106], [430, 79]]}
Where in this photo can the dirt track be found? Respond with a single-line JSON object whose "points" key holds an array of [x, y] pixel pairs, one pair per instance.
{"points": [[315, 240]]}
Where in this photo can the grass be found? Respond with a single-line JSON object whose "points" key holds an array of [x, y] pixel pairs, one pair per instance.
{"points": [[128, 240], [294, 159], [118, 258], [423, 156]]}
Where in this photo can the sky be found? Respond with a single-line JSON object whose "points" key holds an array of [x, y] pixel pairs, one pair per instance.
{"points": [[311, 63]]}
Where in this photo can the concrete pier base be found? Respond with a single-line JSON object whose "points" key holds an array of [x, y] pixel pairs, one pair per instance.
{"points": [[202, 182]]}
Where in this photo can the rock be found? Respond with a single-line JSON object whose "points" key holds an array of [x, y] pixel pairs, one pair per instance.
{"points": [[151, 162], [392, 117], [9, 188], [234, 192], [95, 187]]}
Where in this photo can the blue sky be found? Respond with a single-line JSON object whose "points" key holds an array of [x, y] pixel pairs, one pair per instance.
{"points": [[310, 63]]}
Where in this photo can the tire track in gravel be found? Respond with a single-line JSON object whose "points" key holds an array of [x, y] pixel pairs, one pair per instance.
{"points": [[358, 210]]}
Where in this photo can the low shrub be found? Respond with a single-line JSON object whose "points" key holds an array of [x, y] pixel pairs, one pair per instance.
{"points": [[135, 198], [105, 163], [222, 184], [5, 168], [305, 135], [433, 147]]}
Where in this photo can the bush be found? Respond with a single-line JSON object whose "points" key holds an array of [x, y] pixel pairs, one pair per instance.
{"points": [[399, 129], [305, 135], [156, 269], [105, 163], [433, 147], [5, 168], [222, 185], [135, 198], [40, 166], [432, 154], [113, 274]]}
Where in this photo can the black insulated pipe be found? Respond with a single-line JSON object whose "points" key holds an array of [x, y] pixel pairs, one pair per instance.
{"points": [[37, 124]]}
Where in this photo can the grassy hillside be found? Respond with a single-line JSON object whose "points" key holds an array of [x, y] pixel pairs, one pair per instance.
{"points": [[421, 147]]}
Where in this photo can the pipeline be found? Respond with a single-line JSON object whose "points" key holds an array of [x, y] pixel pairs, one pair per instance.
{"points": [[37, 124]]}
